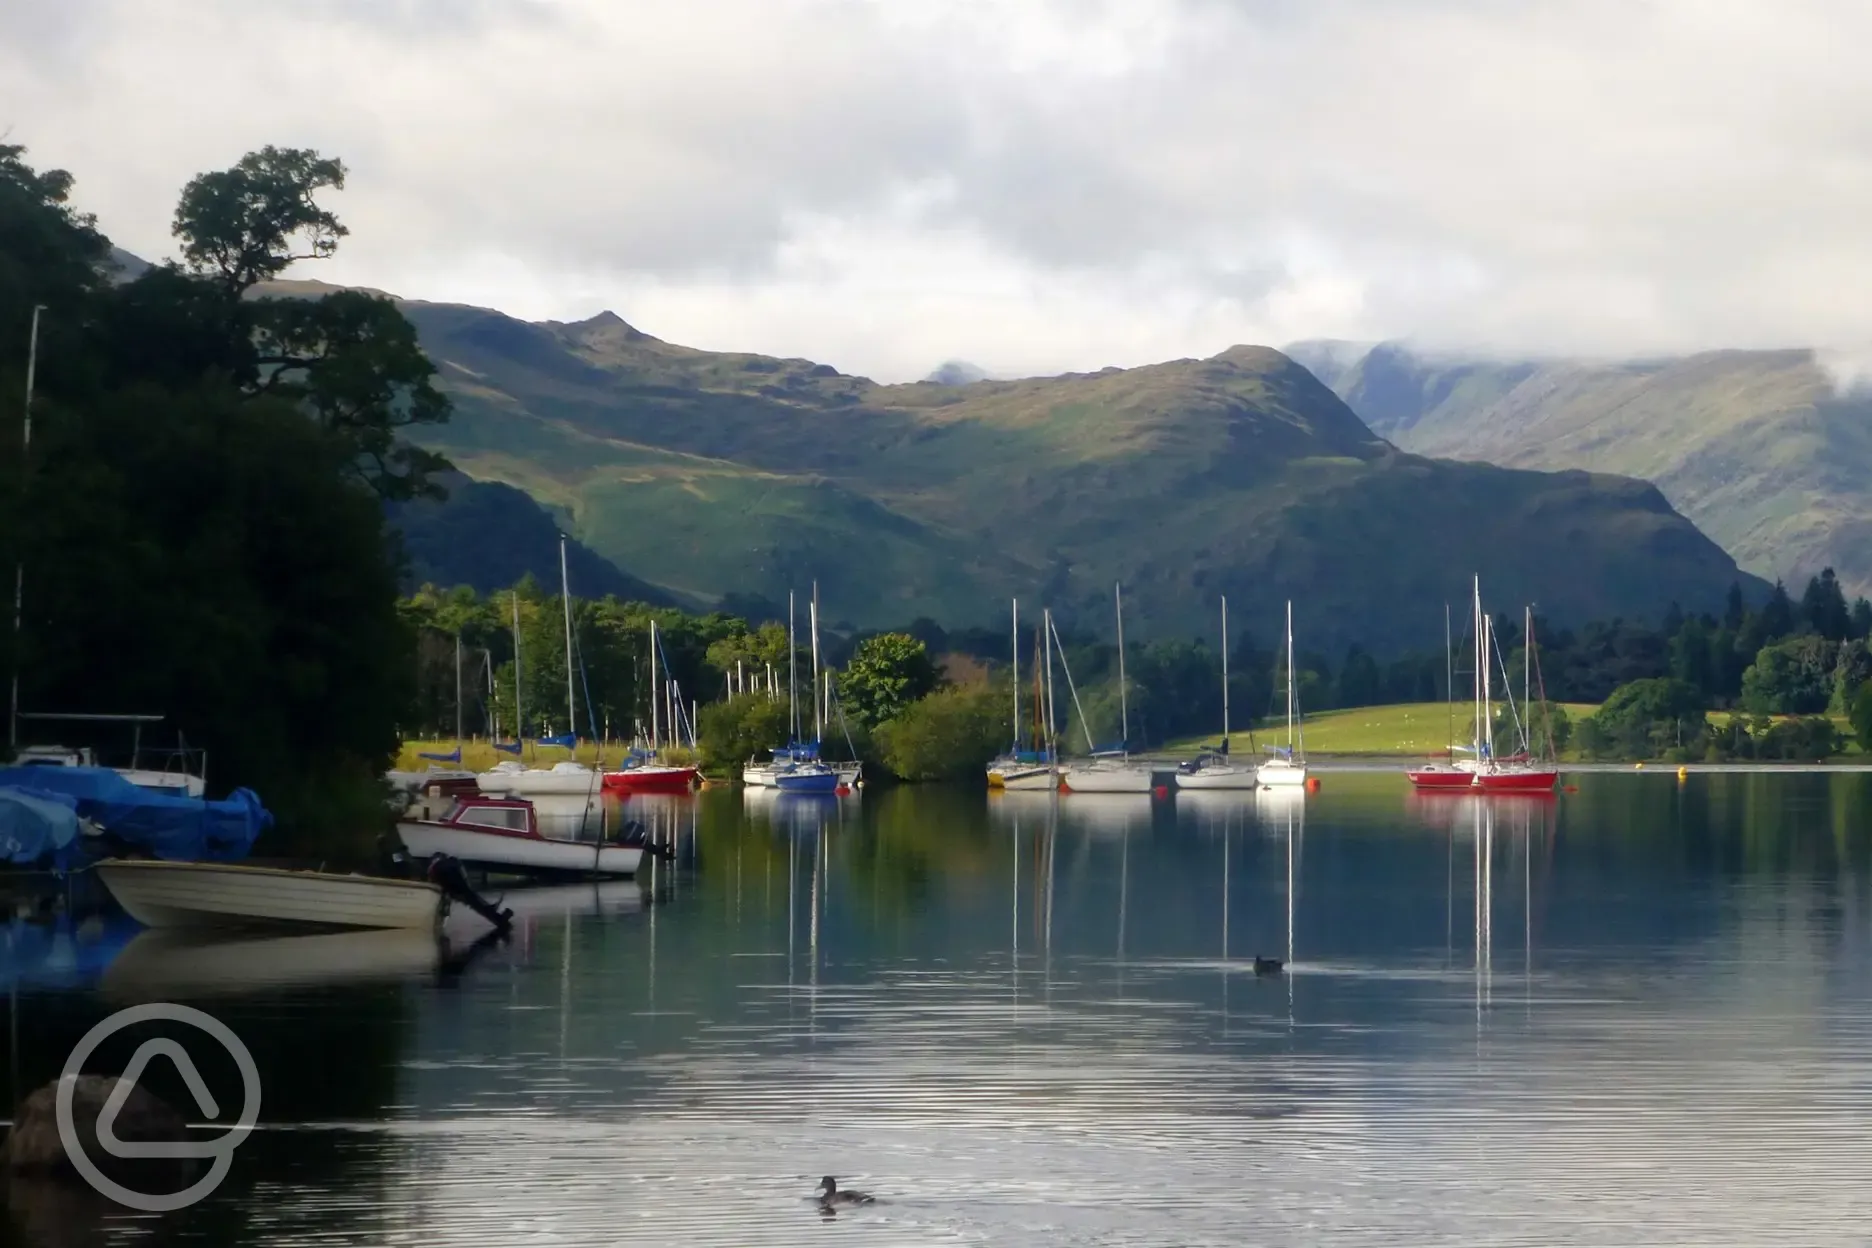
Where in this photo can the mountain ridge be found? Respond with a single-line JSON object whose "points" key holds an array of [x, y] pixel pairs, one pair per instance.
{"points": [[726, 472], [1758, 447]]}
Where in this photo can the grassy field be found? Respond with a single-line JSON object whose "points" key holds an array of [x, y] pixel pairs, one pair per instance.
{"points": [[1412, 728]]}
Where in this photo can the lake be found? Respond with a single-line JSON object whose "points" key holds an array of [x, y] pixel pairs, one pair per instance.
{"points": [[1639, 1013]]}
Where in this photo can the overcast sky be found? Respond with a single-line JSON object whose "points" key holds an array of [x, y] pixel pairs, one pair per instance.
{"points": [[1027, 184]]}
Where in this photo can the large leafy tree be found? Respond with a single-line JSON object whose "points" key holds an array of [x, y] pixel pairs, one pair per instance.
{"points": [[348, 358], [202, 525], [886, 674]]}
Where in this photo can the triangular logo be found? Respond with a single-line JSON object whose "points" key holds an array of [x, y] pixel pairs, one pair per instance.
{"points": [[113, 1105]]}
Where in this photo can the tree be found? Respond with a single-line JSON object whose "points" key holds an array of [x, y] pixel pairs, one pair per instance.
{"points": [[886, 673], [1360, 682], [350, 359], [1735, 608], [1777, 616], [245, 225], [949, 735], [743, 727], [1861, 716], [1861, 627], [1823, 607], [1645, 719], [1792, 677]]}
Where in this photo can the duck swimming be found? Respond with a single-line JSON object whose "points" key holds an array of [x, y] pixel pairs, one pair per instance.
{"points": [[1267, 966], [831, 1198]]}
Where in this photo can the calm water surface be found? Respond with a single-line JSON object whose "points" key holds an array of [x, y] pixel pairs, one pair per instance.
{"points": [[1636, 1014]]}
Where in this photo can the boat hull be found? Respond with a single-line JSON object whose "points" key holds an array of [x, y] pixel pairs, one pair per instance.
{"points": [[826, 781], [518, 853], [1518, 780], [1457, 778], [650, 780], [1226, 776], [1280, 774], [534, 783], [1023, 778], [199, 894], [1106, 779]]}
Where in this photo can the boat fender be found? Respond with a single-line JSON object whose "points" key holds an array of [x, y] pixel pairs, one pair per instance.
{"points": [[447, 874]]}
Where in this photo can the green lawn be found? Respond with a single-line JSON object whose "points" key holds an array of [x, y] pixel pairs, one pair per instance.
{"points": [[1412, 728]]}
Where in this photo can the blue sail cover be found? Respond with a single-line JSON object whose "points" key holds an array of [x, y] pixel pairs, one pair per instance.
{"points": [[453, 756], [179, 828], [564, 742], [505, 748], [36, 825]]}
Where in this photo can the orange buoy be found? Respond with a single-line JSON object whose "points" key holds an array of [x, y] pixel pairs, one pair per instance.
{"points": [[1162, 790], [843, 790], [1313, 784], [1571, 788]]}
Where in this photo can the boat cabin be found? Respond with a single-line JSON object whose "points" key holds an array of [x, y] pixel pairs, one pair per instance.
{"points": [[506, 815]]}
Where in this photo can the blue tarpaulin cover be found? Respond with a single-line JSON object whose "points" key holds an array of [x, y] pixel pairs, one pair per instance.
{"points": [[177, 828], [36, 825]]}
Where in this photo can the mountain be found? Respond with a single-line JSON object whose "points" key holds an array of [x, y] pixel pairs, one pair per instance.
{"points": [[1759, 448], [713, 473], [489, 535], [958, 373]]}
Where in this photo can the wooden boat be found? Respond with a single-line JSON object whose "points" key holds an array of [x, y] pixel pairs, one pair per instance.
{"points": [[210, 894], [503, 833]]}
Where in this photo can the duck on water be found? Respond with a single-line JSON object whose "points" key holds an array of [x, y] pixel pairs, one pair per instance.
{"points": [[830, 1197]]}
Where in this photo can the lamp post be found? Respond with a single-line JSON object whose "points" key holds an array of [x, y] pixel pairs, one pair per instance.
{"points": [[19, 566]]}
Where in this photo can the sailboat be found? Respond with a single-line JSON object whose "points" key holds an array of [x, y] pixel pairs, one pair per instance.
{"points": [[1522, 773], [1288, 766], [1483, 772], [513, 777], [640, 771], [1214, 770], [795, 767], [1111, 770], [1024, 768]]}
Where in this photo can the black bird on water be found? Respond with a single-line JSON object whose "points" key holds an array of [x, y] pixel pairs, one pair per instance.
{"points": [[1268, 966], [831, 1198]]}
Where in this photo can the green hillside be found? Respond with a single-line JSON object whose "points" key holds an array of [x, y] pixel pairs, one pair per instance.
{"points": [[1756, 447], [708, 473]]}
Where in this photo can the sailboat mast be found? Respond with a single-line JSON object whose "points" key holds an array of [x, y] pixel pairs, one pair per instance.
{"points": [[656, 694], [1124, 705], [1290, 679], [1225, 688], [519, 715], [1475, 617], [792, 658], [1052, 730], [458, 693], [1527, 669], [818, 727], [1449, 675], [1016, 655], [565, 597]]}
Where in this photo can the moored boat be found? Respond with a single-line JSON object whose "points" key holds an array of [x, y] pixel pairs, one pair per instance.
{"points": [[514, 778], [503, 833], [1287, 768], [641, 773], [208, 894], [1213, 769]]}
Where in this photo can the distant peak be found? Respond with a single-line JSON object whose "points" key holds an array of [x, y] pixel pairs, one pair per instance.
{"points": [[610, 327], [957, 373], [1259, 359]]}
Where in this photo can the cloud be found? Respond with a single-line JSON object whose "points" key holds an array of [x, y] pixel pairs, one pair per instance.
{"points": [[1034, 185]]}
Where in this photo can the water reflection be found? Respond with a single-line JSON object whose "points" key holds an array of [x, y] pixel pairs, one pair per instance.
{"points": [[1638, 1013]]}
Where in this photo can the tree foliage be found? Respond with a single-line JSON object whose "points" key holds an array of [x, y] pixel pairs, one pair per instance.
{"points": [[886, 674], [950, 734], [195, 537]]}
